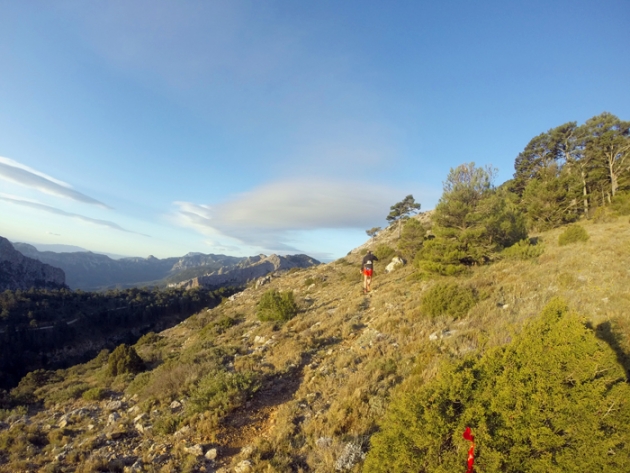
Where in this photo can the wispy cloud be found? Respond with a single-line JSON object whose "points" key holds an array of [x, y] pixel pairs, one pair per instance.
{"points": [[56, 211], [268, 216], [11, 170]]}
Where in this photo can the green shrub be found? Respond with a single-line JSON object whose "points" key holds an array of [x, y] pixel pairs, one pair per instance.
{"points": [[25, 390], [523, 250], [149, 339], [621, 203], [448, 298], [441, 256], [309, 281], [222, 391], [94, 394], [411, 238], [167, 424], [124, 359], [555, 399], [603, 215], [573, 234], [384, 252], [277, 306]]}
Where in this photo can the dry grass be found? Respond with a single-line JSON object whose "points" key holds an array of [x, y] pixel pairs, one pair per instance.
{"points": [[336, 363]]}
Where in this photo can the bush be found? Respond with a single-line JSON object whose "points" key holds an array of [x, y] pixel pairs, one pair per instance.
{"points": [[167, 424], [573, 234], [124, 359], [149, 339], [94, 394], [384, 252], [448, 298], [411, 238], [523, 250], [621, 203], [221, 391], [555, 400], [603, 215], [277, 306]]}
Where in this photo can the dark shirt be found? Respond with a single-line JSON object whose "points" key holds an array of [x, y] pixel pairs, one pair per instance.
{"points": [[368, 261]]}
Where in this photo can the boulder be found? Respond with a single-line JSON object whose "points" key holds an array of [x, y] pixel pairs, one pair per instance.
{"points": [[396, 262]]}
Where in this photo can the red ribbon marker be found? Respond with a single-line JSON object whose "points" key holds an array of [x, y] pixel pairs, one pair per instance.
{"points": [[471, 452]]}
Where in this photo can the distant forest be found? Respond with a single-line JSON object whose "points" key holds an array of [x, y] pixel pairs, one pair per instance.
{"points": [[36, 323]]}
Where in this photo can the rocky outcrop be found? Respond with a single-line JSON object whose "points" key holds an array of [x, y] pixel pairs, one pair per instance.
{"points": [[251, 269], [92, 271], [20, 272]]}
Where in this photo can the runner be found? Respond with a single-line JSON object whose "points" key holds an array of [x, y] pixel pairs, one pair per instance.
{"points": [[368, 270]]}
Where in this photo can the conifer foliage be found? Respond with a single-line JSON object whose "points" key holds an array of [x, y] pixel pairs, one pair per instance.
{"points": [[472, 222], [553, 400], [124, 359]]}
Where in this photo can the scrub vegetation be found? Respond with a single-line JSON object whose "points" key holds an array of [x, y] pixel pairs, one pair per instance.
{"points": [[494, 324]]}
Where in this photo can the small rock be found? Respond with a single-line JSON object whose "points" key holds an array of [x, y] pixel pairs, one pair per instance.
{"points": [[139, 427], [115, 435], [243, 467], [323, 442], [113, 405], [196, 450], [211, 454], [113, 417], [259, 340], [247, 451], [133, 410], [350, 456], [137, 467], [138, 418], [175, 405], [183, 431], [63, 423]]}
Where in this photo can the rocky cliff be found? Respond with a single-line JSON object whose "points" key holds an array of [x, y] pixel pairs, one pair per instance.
{"points": [[92, 271], [20, 272], [250, 269]]}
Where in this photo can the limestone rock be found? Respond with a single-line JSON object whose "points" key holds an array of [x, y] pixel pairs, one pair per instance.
{"points": [[211, 454], [20, 272], [196, 450], [243, 467], [395, 263]]}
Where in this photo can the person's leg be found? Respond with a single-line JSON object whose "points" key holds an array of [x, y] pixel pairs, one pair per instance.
{"points": [[368, 282]]}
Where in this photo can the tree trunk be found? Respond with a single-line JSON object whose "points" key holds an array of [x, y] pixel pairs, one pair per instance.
{"points": [[584, 192]]}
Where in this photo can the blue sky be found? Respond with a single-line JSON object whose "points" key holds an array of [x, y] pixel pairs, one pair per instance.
{"points": [[155, 127]]}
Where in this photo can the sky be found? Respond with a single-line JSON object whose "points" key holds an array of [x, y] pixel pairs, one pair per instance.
{"points": [[151, 127]]}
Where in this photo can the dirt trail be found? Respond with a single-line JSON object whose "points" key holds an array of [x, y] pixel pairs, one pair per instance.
{"points": [[256, 419]]}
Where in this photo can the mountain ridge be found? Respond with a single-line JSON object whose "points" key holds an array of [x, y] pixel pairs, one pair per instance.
{"points": [[21, 272], [93, 271]]}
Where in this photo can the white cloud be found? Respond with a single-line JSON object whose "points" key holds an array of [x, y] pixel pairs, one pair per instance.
{"points": [[53, 210], [15, 164], [15, 172], [266, 217]]}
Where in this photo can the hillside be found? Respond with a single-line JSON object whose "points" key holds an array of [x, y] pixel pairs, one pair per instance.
{"points": [[224, 391], [20, 272]]}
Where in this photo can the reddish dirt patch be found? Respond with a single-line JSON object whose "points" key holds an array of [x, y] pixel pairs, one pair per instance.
{"points": [[256, 418]]}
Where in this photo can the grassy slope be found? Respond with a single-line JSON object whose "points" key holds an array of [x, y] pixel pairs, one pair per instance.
{"points": [[326, 376]]}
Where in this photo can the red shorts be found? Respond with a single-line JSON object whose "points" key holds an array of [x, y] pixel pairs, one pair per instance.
{"points": [[367, 272]]}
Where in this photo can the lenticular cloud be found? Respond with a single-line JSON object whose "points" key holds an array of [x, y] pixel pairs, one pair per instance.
{"points": [[268, 214]]}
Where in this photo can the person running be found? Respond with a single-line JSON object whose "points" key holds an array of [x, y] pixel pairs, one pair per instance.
{"points": [[367, 270]]}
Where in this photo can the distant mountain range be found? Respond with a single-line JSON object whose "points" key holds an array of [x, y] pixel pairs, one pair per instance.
{"points": [[92, 272], [20, 272]]}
